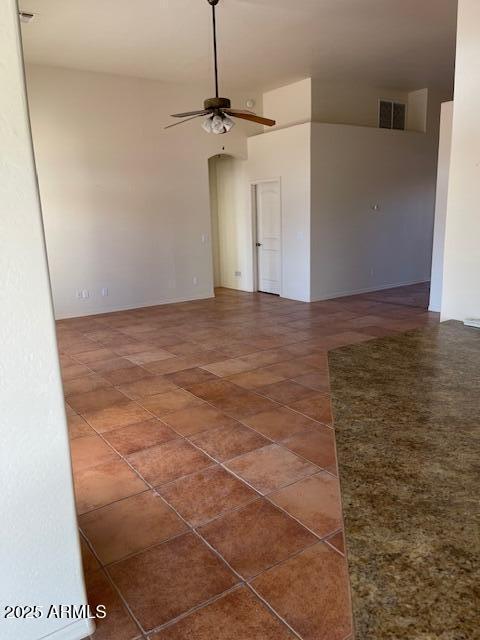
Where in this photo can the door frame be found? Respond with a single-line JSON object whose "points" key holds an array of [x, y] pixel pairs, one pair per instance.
{"points": [[253, 201]]}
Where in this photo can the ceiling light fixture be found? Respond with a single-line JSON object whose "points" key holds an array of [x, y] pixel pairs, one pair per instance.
{"points": [[218, 110]]}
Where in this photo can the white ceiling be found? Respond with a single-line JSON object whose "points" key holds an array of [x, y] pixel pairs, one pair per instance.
{"points": [[403, 44]]}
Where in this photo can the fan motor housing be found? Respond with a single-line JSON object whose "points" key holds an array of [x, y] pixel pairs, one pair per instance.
{"points": [[217, 103]]}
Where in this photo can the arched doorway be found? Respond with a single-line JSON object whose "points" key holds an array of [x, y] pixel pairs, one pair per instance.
{"points": [[231, 220]]}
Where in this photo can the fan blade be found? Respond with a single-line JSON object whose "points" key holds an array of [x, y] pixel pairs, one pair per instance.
{"points": [[182, 121], [253, 118], [203, 112], [234, 111]]}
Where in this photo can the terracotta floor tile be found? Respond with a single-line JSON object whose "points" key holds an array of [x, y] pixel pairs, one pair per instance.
{"points": [[150, 355], [118, 624], [314, 501], [130, 525], [214, 389], [184, 348], [169, 461], [140, 435], [165, 403], [310, 592], [116, 416], [230, 441], [236, 616], [286, 391], [318, 360], [256, 537], [95, 355], [187, 377], [72, 371], [171, 365], [265, 358], [227, 367], [254, 379], [90, 451], [289, 369], [270, 468], [233, 349], [148, 386], [231, 399], [205, 495], [115, 364], [78, 427], [89, 561], [129, 348], [84, 384], [250, 337], [317, 407], [126, 375], [105, 483], [338, 541], [279, 423], [197, 419], [318, 380], [181, 363], [317, 445], [170, 579], [93, 400]]}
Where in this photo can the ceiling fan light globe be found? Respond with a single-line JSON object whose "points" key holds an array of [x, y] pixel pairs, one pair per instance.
{"points": [[228, 123], [217, 124], [207, 124]]}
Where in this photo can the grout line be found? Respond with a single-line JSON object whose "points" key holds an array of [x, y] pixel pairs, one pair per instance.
{"points": [[273, 611], [187, 613], [111, 582]]}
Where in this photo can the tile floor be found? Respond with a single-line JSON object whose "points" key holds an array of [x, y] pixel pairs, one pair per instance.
{"points": [[204, 462]]}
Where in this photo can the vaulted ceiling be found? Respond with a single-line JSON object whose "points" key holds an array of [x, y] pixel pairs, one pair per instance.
{"points": [[263, 44]]}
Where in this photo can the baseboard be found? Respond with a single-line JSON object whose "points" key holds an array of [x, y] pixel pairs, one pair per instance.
{"points": [[354, 292], [77, 630], [77, 313]]}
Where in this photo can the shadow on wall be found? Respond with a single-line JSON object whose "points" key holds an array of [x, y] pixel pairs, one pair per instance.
{"points": [[232, 244]]}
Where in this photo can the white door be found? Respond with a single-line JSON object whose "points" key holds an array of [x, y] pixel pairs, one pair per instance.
{"points": [[269, 256]]}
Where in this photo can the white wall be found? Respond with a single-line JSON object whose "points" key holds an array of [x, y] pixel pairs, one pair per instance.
{"points": [[444, 152], [350, 104], [126, 203], [39, 552], [289, 105], [231, 212], [355, 248], [285, 154], [461, 275], [417, 110]]}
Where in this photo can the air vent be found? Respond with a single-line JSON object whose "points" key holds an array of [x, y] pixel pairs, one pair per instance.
{"points": [[392, 115], [26, 17]]}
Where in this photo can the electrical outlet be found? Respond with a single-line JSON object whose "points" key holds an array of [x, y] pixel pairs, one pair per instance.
{"points": [[195, 280], [105, 292], [238, 274], [204, 238], [85, 294]]}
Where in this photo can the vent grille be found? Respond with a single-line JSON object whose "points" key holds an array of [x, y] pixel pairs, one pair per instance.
{"points": [[392, 115]]}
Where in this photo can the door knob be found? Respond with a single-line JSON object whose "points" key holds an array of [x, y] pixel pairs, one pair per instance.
{"points": [[259, 244]]}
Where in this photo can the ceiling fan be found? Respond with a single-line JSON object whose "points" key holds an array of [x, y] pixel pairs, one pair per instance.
{"points": [[218, 110]]}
